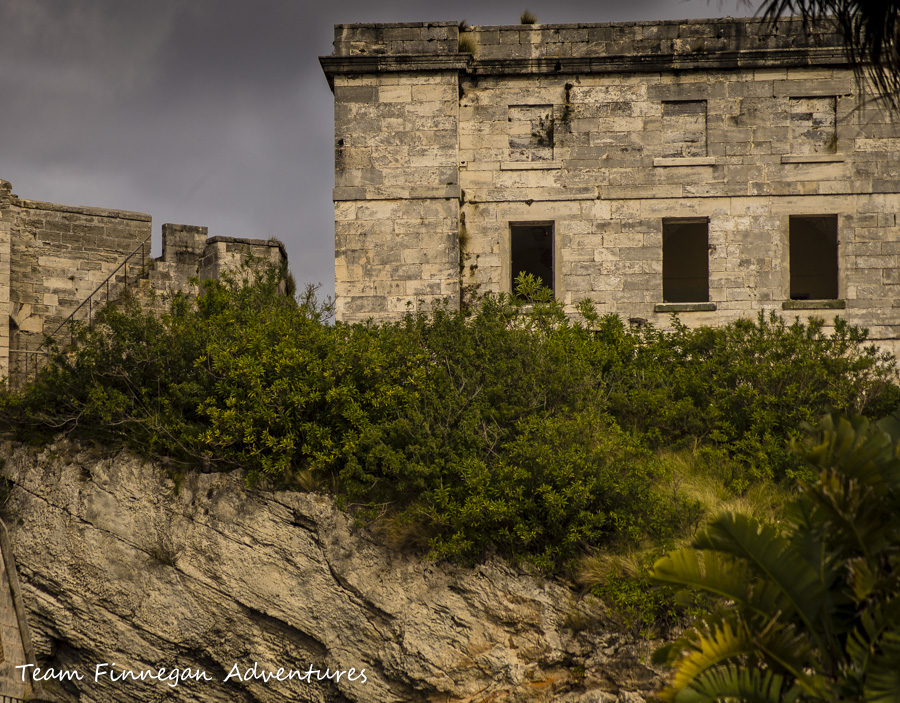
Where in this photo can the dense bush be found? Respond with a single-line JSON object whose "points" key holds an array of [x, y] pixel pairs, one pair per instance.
{"points": [[501, 426]]}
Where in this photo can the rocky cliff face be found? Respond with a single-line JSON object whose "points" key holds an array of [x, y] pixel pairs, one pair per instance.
{"points": [[212, 580]]}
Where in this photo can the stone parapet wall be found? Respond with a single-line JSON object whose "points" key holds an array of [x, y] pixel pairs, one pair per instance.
{"points": [[228, 255], [630, 40], [397, 39], [54, 257], [59, 254]]}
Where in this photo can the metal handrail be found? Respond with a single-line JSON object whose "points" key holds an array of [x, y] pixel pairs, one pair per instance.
{"points": [[41, 350]]}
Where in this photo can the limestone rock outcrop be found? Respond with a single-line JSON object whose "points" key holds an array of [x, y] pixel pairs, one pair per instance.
{"points": [[121, 566]]}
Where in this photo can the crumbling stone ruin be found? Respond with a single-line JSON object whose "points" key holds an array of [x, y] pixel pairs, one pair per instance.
{"points": [[714, 168], [59, 259]]}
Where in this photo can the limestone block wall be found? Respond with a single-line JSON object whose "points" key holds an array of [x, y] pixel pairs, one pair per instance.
{"points": [[396, 191], [58, 255], [607, 134], [229, 254], [190, 257], [53, 257], [612, 184]]}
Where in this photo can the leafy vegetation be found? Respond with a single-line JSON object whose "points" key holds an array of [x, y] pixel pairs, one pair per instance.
{"points": [[502, 427], [871, 33], [809, 611]]}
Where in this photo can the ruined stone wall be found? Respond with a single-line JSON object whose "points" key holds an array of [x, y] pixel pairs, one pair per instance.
{"points": [[58, 255], [53, 257], [229, 254], [604, 133]]}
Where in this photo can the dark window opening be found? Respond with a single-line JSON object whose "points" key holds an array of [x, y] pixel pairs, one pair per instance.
{"points": [[685, 261], [814, 257], [531, 250]]}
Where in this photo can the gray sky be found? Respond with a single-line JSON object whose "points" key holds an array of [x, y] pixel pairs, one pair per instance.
{"points": [[211, 112]]}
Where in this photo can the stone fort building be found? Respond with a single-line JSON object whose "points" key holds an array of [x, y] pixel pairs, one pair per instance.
{"points": [[56, 260], [713, 168]]}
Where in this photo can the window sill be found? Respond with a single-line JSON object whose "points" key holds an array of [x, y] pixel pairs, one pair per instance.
{"points": [[529, 165], [684, 307], [814, 305], [812, 159], [684, 161]]}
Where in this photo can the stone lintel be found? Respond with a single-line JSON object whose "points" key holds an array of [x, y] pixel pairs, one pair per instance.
{"points": [[529, 165], [814, 305], [684, 307]]}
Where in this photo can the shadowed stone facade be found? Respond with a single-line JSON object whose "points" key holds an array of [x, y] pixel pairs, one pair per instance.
{"points": [[716, 168], [52, 257]]}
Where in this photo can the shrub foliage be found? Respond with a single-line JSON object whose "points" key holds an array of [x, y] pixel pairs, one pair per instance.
{"points": [[502, 426]]}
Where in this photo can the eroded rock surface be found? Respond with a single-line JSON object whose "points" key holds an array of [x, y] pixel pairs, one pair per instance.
{"points": [[118, 566]]}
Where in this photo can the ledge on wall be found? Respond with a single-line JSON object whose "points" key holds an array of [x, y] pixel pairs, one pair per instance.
{"points": [[812, 159], [529, 165], [684, 307], [684, 161], [814, 305]]}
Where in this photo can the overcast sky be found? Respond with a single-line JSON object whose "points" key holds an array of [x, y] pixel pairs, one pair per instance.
{"points": [[211, 112]]}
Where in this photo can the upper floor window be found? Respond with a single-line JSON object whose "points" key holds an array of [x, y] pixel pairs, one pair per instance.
{"points": [[813, 125], [684, 128], [531, 132]]}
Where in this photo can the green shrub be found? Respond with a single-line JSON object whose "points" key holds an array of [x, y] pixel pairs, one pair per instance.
{"points": [[502, 426]]}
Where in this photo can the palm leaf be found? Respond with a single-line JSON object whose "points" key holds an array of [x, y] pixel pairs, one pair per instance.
{"points": [[715, 573], [873, 651], [772, 558], [734, 683]]}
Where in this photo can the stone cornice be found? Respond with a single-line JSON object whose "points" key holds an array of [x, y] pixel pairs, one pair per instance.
{"points": [[629, 63], [642, 63], [373, 63]]}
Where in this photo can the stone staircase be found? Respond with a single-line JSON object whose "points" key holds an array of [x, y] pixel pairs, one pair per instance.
{"points": [[129, 273]]}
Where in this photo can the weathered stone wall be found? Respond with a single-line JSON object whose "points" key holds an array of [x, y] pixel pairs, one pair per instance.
{"points": [[53, 257], [190, 257], [228, 254], [604, 132], [59, 255], [396, 191]]}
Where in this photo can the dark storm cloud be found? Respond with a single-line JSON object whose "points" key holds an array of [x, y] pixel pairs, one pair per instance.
{"points": [[211, 112]]}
